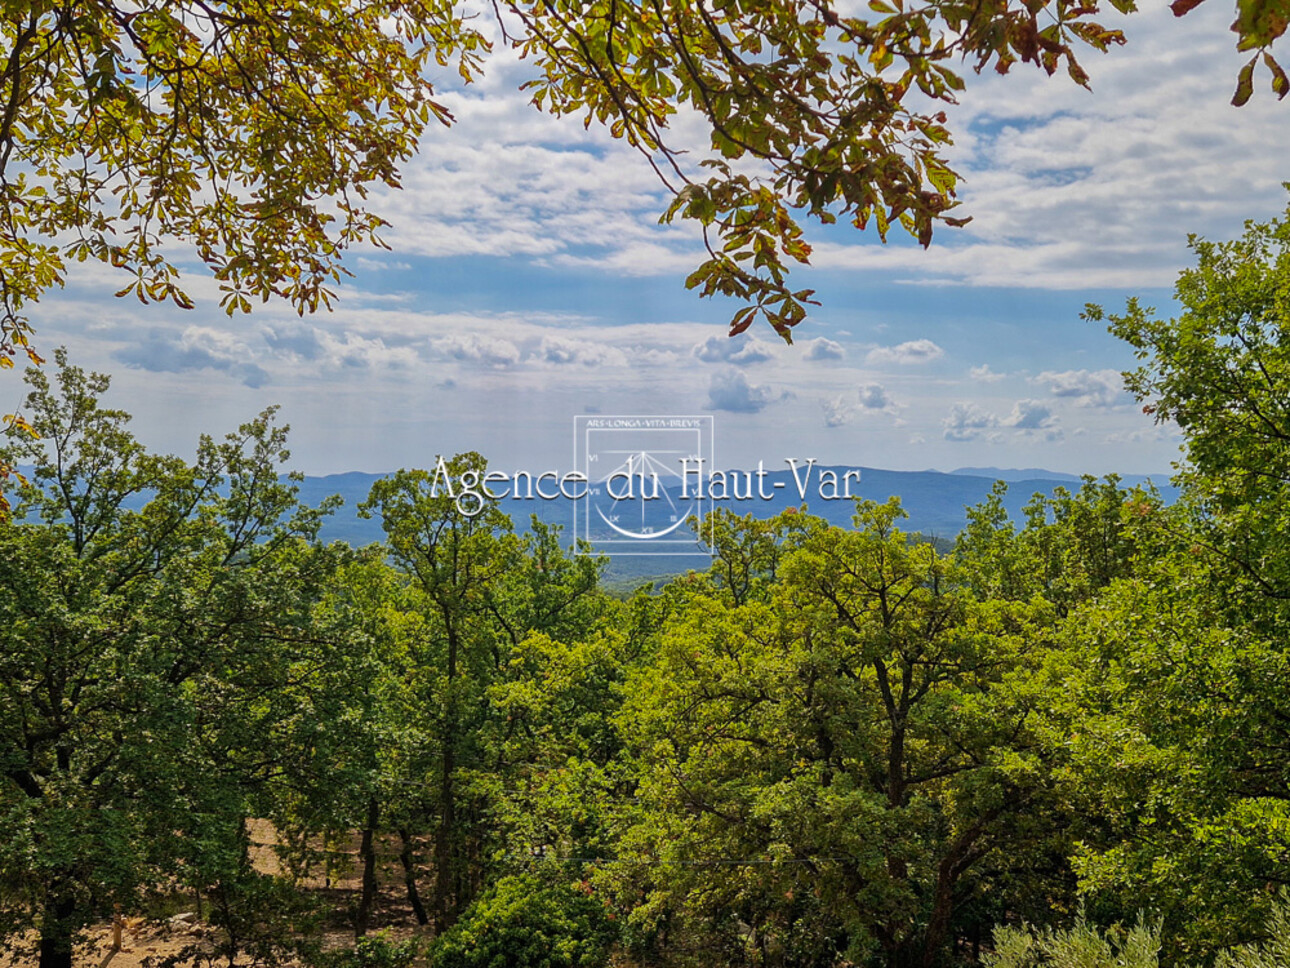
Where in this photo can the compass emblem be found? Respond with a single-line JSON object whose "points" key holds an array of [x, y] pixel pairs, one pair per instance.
{"points": [[643, 475], [632, 486]]}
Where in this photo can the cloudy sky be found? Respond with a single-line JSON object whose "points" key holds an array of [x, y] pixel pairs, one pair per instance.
{"points": [[528, 281]]}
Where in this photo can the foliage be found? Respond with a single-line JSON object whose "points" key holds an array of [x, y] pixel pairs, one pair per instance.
{"points": [[523, 922], [1070, 547], [374, 951], [745, 552], [154, 618], [345, 731], [1083, 946], [259, 919], [250, 133], [1179, 673], [557, 770], [824, 772], [1080, 946], [837, 746], [1219, 371], [1169, 720], [485, 616], [1271, 951]]}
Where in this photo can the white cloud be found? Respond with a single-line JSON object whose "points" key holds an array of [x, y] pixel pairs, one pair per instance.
{"points": [[730, 390], [967, 421], [907, 353], [738, 350], [636, 259], [195, 348], [380, 265], [1146, 435], [984, 374], [824, 349], [561, 351], [872, 397], [1087, 388], [350, 350], [1030, 415], [475, 348]]}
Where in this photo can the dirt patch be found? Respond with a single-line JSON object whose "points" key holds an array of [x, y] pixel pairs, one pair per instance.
{"points": [[330, 875]]}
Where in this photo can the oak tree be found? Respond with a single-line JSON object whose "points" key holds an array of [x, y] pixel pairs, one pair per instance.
{"points": [[828, 770], [154, 637], [1180, 678]]}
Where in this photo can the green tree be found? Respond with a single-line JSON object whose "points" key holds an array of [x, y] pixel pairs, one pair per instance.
{"points": [[551, 768], [522, 922], [471, 711], [1179, 676], [745, 552], [1069, 548], [1169, 722], [155, 626], [1220, 372], [456, 555], [834, 769], [348, 736]]}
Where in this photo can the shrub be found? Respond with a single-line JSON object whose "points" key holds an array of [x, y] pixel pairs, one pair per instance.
{"points": [[1081, 946], [374, 951], [1274, 952], [525, 923]]}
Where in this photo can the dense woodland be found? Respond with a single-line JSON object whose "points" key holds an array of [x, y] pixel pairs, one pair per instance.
{"points": [[836, 747]]}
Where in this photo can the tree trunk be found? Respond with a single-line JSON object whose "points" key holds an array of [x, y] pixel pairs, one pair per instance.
{"points": [[445, 860], [56, 930], [410, 877], [938, 925], [367, 853]]}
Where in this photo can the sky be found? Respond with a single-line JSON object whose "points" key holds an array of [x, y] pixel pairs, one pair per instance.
{"points": [[528, 282]]}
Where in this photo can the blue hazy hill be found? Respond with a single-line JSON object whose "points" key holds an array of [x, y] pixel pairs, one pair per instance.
{"points": [[936, 502], [1016, 475]]}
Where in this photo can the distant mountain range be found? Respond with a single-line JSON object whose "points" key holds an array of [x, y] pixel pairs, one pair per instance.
{"points": [[935, 502], [1015, 474], [1039, 474]]}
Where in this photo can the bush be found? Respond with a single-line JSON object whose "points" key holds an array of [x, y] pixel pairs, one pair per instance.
{"points": [[525, 923], [1273, 952], [373, 951], [1081, 946]]}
